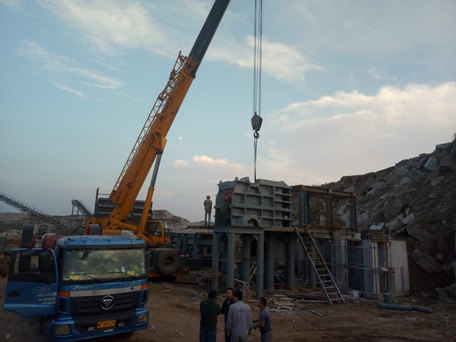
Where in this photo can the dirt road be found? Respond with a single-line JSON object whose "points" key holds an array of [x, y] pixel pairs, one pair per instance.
{"points": [[174, 316]]}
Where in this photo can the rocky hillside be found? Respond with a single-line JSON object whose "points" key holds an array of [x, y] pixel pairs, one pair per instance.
{"points": [[414, 200]]}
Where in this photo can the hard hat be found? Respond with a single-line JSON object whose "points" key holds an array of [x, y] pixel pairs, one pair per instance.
{"points": [[208, 197]]}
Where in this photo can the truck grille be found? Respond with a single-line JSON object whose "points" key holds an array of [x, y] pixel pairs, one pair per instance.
{"points": [[92, 305]]}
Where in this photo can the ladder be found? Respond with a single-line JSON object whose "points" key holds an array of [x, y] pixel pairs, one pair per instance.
{"points": [[324, 277]]}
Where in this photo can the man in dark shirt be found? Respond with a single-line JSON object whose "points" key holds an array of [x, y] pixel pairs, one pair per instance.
{"points": [[226, 307], [265, 321], [208, 324]]}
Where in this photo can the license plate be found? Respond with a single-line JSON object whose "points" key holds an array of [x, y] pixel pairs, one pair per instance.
{"points": [[106, 324]]}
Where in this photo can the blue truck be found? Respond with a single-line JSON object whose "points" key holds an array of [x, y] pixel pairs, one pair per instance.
{"points": [[84, 287]]}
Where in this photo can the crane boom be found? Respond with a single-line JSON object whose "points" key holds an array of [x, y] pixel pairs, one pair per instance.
{"points": [[152, 138]]}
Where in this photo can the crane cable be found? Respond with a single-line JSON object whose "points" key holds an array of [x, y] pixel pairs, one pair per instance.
{"points": [[257, 65]]}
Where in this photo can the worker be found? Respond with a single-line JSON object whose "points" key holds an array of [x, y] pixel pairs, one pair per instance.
{"points": [[239, 322], [209, 310], [207, 210], [226, 307], [265, 321]]}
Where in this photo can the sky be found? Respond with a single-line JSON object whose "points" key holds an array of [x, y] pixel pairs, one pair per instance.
{"points": [[348, 87]]}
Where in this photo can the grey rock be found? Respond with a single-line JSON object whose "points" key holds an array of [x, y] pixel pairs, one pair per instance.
{"points": [[444, 146], [419, 234], [431, 164], [426, 262], [404, 180], [451, 290], [436, 181], [409, 218], [445, 164], [402, 170]]}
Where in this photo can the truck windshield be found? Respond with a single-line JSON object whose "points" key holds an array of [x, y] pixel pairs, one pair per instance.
{"points": [[103, 265]]}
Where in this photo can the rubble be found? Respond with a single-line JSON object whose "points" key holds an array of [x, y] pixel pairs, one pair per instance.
{"points": [[416, 201]]}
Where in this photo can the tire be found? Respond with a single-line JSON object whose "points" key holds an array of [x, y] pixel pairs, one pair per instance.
{"points": [[27, 236], [168, 262]]}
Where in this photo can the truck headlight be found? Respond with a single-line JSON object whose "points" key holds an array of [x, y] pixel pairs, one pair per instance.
{"points": [[142, 318], [62, 329]]}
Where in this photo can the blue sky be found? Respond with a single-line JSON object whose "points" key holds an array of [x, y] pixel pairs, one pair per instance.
{"points": [[348, 87]]}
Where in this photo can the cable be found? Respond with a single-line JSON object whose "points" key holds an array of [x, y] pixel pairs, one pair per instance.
{"points": [[257, 67]]}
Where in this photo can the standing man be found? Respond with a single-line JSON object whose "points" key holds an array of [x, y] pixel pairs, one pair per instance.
{"points": [[226, 307], [265, 321], [209, 310], [207, 210], [239, 322]]}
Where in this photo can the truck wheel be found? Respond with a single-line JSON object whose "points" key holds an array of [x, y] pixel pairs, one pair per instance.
{"points": [[27, 236], [168, 262]]}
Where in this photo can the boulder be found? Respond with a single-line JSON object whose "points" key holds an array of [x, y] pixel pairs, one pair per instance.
{"points": [[409, 218], [431, 164], [404, 181], [419, 234], [426, 262], [451, 290]]}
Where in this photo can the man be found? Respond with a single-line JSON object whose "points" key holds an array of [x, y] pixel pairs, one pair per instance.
{"points": [[209, 310], [265, 321], [207, 210], [239, 322], [226, 307]]}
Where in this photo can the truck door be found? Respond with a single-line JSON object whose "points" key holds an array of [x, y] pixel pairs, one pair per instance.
{"points": [[31, 290]]}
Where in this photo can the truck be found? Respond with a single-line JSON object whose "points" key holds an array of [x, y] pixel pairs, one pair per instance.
{"points": [[147, 151], [83, 287]]}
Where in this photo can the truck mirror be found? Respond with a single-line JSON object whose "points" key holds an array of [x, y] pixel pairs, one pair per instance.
{"points": [[44, 262]]}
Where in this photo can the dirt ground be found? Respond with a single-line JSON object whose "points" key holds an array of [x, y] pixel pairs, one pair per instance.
{"points": [[174, 316]]}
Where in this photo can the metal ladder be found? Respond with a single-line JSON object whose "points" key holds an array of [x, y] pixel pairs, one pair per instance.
{"points": [[324, 277]]}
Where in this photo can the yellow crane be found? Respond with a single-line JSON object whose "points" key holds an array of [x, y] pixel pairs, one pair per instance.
{"points": [[148, 150]]}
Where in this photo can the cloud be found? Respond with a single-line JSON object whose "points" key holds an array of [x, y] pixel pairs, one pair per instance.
{"points": [[69, 90], [181, 163], [108, 26], [353, 133], [208, 161], [293, 64], [12, 4], [62, 67]]}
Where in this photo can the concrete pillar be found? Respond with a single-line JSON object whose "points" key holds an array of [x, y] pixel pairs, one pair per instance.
{"points": [[230, 260], [270, 264], [195, 247], [260, 265], [246, 256], [215, 259], [290, 261], [224, 249], [340, 259]]}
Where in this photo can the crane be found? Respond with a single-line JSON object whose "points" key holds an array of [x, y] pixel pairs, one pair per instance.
{"points": [[148, 150]]}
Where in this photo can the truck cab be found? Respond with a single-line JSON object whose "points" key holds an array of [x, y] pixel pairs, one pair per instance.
{"points": [[84, 287]]}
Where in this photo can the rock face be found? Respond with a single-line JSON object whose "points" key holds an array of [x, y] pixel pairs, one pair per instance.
{"points": [[416, 201]]}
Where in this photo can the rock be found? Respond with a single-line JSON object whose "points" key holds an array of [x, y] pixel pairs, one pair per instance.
{"points": [[445, 165], [431, 164], [435, 181], [404, 181], [409, 218], [441, 293], [426, 262], [440, 257], [444, 146], [451, 290], [402, 170], [419, 234]]}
